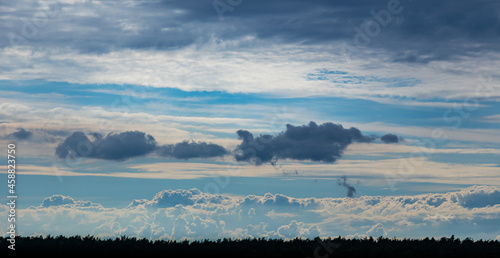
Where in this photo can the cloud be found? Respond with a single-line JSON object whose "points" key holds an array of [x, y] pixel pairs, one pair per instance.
{"points": [[125, 145], [57, 200], [171, 198], [67, 202], [119, 146], [168, 61], [377, 230], [274, 215], [278, 200], [187, 150], [414, 32], [477, 197], [21, 134], [298, 229], [491, 119], [350, 189], [162, 37], [325, 142], [390, 138], [33, 135], [193, 214]]}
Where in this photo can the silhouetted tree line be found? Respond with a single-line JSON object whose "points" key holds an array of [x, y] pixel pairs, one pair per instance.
{"points": [[256, 248]]}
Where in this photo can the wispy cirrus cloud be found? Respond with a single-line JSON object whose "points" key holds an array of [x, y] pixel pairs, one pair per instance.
{"points": [[281, 72], [161, 39], [492, 119]]}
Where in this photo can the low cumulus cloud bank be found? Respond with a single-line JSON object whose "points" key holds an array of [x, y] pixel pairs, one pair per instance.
{"points": [[193, 214]]}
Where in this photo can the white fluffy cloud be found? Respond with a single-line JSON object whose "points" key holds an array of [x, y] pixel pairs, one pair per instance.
{"points": [[377, 230], [192, 214], [295, 229]]}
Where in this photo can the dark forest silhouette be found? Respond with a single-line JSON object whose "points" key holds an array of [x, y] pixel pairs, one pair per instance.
{"points": [[260, 248]]}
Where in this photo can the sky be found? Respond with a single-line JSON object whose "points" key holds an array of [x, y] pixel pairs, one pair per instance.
{"points": [[275, 119]]}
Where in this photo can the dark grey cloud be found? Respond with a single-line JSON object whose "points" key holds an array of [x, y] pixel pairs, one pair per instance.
{"points": [[188, 150], [350, 189], [36, 135], [125, 145], [21, 134], [325, 142], [390, 138], [119, 146], [411, 31]]}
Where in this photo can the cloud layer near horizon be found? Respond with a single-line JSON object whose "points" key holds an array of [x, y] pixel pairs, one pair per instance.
{"points": [[192, 214]]}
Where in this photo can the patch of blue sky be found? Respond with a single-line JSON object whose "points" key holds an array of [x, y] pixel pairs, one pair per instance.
{"points": [[38, 86], [72, 94], [326, 71], [371, 111], [109, 92], [360, 110]]}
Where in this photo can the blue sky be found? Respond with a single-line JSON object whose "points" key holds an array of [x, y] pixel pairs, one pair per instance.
{"points": [[141, 124]]}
